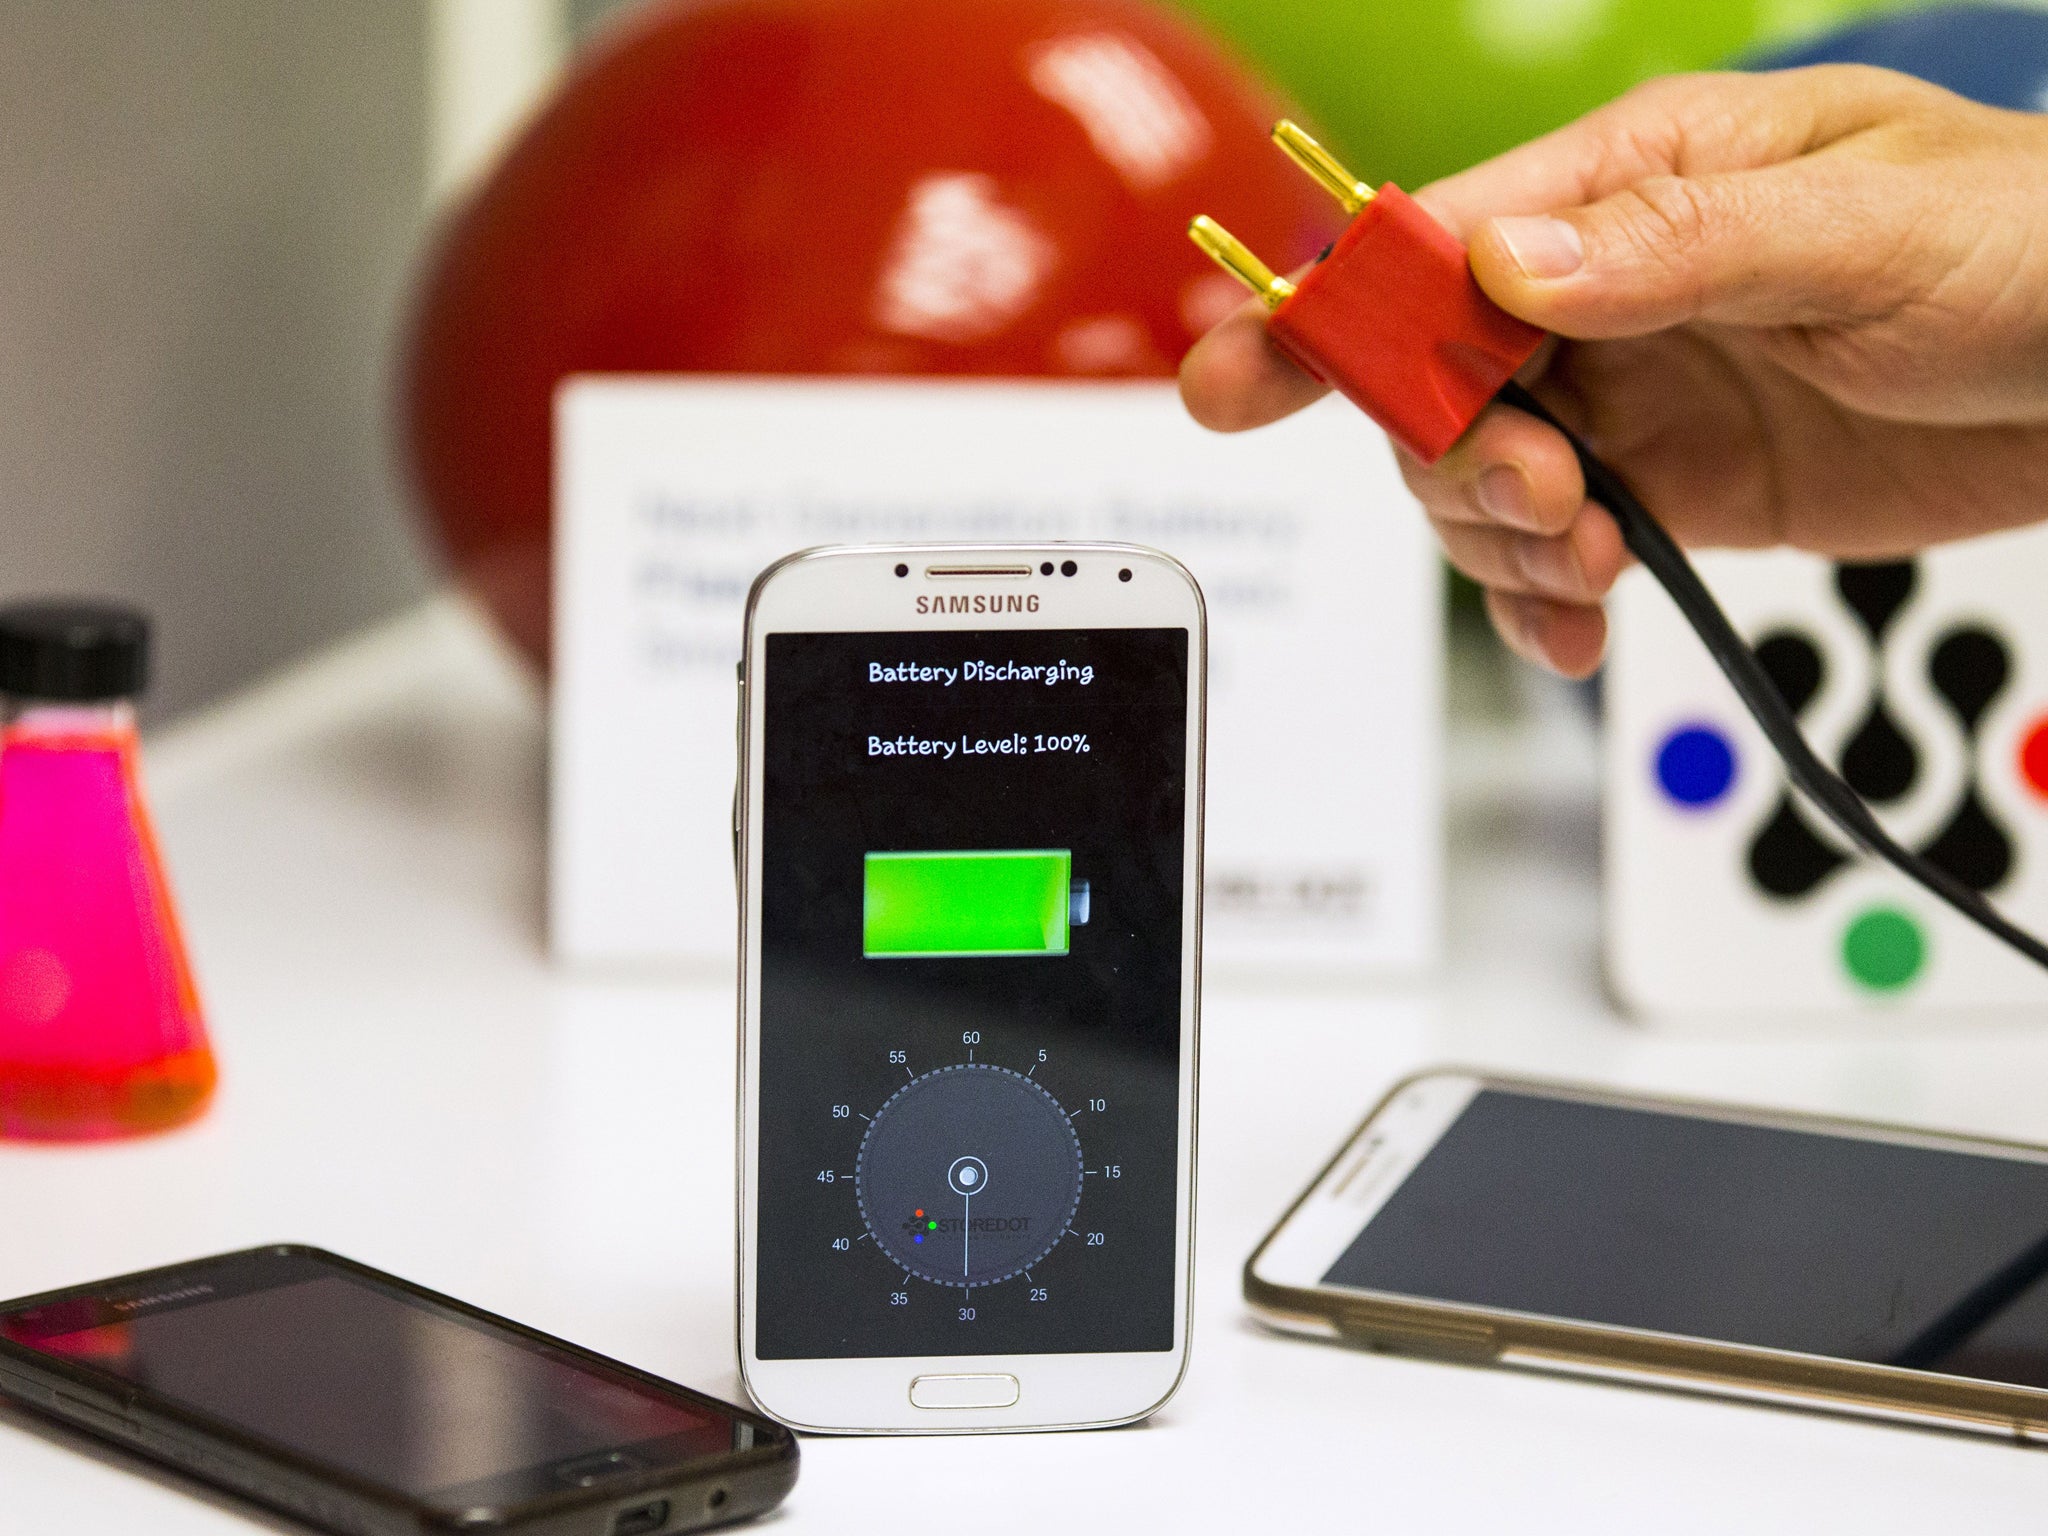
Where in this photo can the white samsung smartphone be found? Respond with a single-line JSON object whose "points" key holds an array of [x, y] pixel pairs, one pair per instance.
{"points": [[969, 833], [1788, 1258]]}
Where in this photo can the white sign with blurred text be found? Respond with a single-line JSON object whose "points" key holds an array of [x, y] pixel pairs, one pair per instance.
{"points": [[1324, 825]]}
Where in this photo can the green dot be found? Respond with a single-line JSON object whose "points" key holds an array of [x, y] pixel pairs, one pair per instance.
{"points": [[931, 1226], [1884, 949]]}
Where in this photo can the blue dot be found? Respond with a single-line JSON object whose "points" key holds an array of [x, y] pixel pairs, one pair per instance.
{"points": [[919, 1238], [1695, 765]]}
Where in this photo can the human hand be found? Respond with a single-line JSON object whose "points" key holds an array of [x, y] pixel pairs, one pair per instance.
{"points": [[1807, 308]]}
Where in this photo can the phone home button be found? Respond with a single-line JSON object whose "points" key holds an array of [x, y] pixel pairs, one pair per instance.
{"points": [[979, 1391], [587, 1471]]}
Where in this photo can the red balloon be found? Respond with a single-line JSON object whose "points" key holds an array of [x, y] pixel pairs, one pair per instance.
{"points": [[982, 187]]}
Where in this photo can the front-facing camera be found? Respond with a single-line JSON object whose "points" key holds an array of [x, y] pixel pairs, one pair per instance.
{"points": [[902, 570]]}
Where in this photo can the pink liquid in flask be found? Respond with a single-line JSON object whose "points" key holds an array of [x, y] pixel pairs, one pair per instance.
{"points": [[100, 1028]]}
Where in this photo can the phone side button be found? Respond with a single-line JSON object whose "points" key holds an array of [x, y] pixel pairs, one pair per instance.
{"points": [[27, 1390], [1461, 1343], [981, 1391], [99, 1418]]}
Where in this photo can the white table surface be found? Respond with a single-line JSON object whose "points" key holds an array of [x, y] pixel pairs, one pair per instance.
{"points": [[405, 1079]]}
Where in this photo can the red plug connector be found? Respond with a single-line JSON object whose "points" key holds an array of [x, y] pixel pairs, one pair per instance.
{"points": [[1390, 315]]}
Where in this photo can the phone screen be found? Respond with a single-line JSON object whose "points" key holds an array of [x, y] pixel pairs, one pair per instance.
{"points": [[971, 926], [378, 1382], [1824, 1244]]}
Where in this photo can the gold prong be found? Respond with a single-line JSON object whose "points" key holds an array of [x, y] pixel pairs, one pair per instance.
{"points": [[1321, 164], [1234, 257]]}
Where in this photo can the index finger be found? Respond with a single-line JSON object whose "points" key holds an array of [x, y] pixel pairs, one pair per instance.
{"points": [[1234, 378], [1682, 125]]}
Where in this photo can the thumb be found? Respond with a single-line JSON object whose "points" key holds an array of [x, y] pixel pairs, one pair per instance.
{"points": [[1758, 248]]}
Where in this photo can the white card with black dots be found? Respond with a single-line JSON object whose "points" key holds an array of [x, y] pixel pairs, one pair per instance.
{"points": [[1925, 682]]}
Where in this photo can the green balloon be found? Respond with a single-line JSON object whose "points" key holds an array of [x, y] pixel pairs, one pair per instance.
{"points": [[1410, 90]]}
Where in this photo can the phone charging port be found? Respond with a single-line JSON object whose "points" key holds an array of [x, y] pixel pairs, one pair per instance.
{"points": [[641, 1519]]}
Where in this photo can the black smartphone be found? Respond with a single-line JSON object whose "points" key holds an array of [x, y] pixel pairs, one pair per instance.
{"points": [[363, 1404]]}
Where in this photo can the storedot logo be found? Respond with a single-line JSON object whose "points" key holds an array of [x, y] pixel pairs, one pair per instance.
{"points": [[979, 602], [1969, 667], [920, 1226], [137, 1303]]}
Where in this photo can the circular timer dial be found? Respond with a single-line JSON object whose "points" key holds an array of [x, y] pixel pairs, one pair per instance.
{"points": [[969, 1175]]}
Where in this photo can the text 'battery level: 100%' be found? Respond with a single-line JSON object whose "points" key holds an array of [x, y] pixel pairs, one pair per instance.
{"points": [[946, 748]]}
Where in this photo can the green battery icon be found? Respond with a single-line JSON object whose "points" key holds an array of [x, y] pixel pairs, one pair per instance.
{"points": [[998, 901]]}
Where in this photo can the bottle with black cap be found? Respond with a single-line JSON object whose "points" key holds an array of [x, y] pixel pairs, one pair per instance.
{"points": [[100, 1027]]}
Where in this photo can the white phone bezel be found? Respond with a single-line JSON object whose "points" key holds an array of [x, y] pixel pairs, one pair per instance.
{"points": [[854, 589], [1374, 1163]]}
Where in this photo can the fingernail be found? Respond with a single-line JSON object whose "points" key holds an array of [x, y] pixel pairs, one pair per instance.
{"points": [[1504, 495], [1551, 566], [1544, 248]]}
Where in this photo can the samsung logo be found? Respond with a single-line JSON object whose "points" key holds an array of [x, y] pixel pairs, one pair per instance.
{"points": [[137, 1303], [980, 602]]}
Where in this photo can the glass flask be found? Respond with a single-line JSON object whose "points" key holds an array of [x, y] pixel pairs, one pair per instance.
{"points": [[100, 1028]]}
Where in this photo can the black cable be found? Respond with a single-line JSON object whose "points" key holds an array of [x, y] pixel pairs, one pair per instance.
{"points": [[1997, 1291], [1661, 556]]}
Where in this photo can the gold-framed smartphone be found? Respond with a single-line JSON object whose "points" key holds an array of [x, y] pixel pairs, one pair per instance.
{"points": [[1789, 1258]]}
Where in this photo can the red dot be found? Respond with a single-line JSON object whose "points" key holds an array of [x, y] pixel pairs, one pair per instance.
{"points": [[2034, 757]]}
